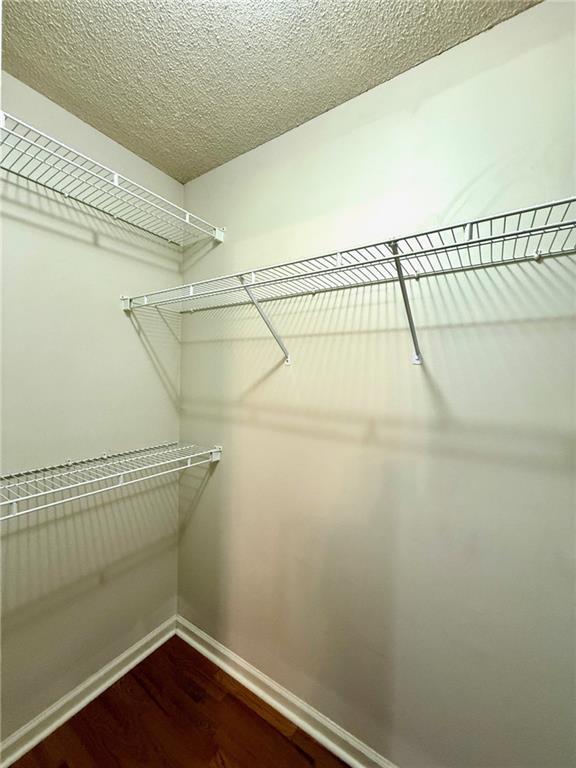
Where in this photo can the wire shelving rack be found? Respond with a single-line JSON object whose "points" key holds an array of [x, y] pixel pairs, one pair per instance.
{"points": [[529, 234], [37, 489], [33, 155]]}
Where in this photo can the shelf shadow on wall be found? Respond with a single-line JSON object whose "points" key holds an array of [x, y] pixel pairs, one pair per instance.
{"points": [[490, 443], [407, 496], [58, 553], [83, 575], [46, 209], [467, 323], [192, 487], [160, 333], [196, 252]]}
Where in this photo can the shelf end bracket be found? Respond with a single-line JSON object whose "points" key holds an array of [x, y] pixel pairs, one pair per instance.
{"points": [[417, 358], [266, 320], [126, 303]]}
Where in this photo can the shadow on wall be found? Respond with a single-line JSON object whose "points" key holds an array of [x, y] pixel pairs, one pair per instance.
{"points": [[351, 330], [83, 581], [45, 208], [196, 252], [373, 522], [192, 487], [85, 561], [160, 332], [23, 198], [51, 554], [94, 370]]}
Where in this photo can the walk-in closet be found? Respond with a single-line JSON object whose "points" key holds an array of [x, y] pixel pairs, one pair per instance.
{"points": [[288, 384]]}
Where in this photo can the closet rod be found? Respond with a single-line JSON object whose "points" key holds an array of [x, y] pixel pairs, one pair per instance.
{"points": [[33, 490]]}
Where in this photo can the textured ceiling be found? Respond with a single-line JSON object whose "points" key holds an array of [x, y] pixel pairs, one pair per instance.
{"points": [[190, 84]]}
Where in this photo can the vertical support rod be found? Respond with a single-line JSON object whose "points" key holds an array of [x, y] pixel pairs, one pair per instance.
{"points": [[266, 319], [417, 359]]}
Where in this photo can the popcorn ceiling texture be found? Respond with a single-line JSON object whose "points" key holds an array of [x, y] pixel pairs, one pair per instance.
{"points": [[190, 84]]}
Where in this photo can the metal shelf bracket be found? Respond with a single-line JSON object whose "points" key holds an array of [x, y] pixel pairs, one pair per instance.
{"points": [[216, 453], [266, 319], [417, 358]]}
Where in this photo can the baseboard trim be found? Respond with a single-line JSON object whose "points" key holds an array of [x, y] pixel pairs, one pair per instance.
{"points": [[341, 743], [328, 733], [25, 738]]}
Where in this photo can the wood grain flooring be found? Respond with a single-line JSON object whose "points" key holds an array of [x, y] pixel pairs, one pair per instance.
{"points": [[176, 709]]}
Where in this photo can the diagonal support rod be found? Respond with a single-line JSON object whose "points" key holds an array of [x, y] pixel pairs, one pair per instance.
{"points": [[417, 359], [267, 320]]}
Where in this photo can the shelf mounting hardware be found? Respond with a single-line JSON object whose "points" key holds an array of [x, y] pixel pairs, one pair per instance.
{"points": [[417, 359], [265, 318]]}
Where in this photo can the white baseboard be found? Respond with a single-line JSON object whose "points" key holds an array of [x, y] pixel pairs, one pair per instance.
{"points": [[22, 740], [338, 741]]}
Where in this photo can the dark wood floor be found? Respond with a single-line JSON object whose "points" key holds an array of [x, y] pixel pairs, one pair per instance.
{"points": [[177, 709]]}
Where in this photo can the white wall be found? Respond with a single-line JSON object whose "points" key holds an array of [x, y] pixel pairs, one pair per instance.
{"points": [[82, 584], [395, 544]]}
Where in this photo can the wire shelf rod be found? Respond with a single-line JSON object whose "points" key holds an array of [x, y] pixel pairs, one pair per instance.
{"points": [[116, 211], [21, 492], [102, 167], [540, 232], [567, 202], [34, 155], [125, 467], [385, 280], [83, 202], [405, 256], [113, 487], [104, 459]]}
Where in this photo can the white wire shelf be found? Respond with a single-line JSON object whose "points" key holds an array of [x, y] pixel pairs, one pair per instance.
{"points": [[26, 492], [33, 155], [529, 234]]}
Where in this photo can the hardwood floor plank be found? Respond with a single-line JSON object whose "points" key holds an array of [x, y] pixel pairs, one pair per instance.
{"points": [[323, 758], [243, 734], [31, 760], [64, 748], [177, 709], [268, 713]]}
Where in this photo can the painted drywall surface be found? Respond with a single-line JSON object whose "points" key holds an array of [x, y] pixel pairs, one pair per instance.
{"points": [[395, 544], [81, 583]]}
